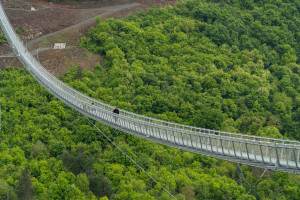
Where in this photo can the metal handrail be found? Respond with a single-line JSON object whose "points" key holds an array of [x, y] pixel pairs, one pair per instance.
{"points": [[272, 153]]}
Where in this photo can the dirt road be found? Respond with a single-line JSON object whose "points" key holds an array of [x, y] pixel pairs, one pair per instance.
{"points": [[67, 23], [107, 11]]}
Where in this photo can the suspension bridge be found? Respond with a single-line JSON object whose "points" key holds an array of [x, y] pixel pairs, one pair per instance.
{"points": [[268, 153]]}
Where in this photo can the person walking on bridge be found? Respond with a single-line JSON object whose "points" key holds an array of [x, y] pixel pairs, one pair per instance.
{"points": [[116, 111]]}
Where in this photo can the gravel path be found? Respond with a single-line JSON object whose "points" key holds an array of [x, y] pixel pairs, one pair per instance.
{"points": [[108, 10]]}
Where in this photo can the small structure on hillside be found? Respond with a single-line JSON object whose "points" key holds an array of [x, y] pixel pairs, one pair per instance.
{"points": [[59, 46]]}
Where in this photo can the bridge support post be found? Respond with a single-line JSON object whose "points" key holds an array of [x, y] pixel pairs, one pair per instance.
{"points": [[277, 157], [261, 153], [246, 145], [233, 148], [286, 157], [293, 152]]}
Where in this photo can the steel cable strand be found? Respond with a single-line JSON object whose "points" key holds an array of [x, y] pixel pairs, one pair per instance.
{"points": [[157, 172], [255, 184], [130, 158], [135, 116], [245, 182], [85, 98], [45, 77]]}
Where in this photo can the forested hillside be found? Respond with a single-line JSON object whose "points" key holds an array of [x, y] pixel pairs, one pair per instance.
{"points": [[215, 65], [229, 66], [2, 37]]}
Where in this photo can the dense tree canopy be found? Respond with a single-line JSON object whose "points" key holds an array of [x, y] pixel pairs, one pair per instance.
{"points": [[2, 37], [217, 65], [229, 65]]}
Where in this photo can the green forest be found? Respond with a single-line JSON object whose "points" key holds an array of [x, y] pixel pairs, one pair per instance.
{"points": [[2, 37], [220, 64]]}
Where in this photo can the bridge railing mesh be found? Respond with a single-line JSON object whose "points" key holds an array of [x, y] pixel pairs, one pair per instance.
{"points": [[283, 154]]}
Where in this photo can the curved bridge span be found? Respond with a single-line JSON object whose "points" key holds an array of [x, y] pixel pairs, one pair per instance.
{"points": [[268, 153]]}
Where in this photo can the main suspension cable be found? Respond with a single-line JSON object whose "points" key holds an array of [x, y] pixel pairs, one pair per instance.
{"points": [[130, 158], [255, 183]]}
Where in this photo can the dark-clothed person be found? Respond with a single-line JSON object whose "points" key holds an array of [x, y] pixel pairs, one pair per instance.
{"points": [[116, 111]]}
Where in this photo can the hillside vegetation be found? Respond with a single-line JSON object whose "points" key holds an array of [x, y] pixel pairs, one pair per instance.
{"points": [[223, 65], [215, 65]]}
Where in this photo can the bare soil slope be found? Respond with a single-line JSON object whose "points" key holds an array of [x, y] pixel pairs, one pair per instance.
{"points": [[42, 23]]}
